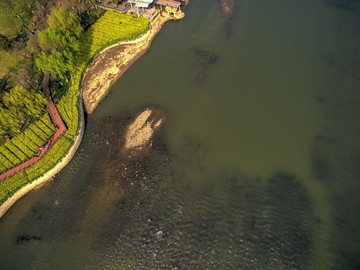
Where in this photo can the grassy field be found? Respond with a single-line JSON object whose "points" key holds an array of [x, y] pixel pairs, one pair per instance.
{"points": [[112, 27]]}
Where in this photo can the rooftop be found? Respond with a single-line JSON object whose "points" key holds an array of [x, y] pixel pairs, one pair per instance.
{"points": [[169, 3]]}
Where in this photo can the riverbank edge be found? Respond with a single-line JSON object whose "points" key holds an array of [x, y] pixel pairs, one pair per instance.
{"points": [[146, 39], [49, 175]]}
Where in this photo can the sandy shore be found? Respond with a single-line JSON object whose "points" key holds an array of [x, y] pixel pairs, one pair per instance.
{"points": [[98, 78], [112, 62]]}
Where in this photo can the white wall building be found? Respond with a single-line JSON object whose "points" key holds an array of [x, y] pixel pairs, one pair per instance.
{"points": [[140, 3]]}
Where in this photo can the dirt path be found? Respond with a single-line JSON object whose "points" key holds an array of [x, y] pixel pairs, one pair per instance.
{"points": [[111, 63]]}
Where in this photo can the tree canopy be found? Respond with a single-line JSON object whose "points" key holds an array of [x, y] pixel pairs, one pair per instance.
{"points": [[65, 20], [60, 43], [18, 106], [15, 16]]}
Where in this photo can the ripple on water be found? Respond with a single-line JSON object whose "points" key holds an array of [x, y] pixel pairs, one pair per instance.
{"points": [[234, 224]]}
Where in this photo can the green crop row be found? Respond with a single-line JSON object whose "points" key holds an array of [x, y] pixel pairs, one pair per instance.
{"points": [[40, 133], [11, 185], [44, 128], [25, 149], [5, 163], [33, 137], [3, 168], [63, 107], [25, 145], [16, 151], [47, 121], [27, 142], [112, 26], [51, 158], [9, 155]]}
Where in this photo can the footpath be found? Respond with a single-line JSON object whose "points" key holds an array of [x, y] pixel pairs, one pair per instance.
{"points": [[60, 131]]}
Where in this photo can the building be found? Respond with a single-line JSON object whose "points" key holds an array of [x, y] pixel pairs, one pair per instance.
{"points": [[140, 3], [171, 6]]}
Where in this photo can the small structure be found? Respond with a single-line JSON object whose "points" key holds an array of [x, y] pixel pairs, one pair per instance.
{"points": [[171, 6], [140, 3]]}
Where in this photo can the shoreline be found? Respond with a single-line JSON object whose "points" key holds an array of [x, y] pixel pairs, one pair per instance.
{"points": [[112, 62], [49, 175], [146, 39]]}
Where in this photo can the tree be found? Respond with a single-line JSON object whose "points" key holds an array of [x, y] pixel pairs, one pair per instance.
{"points": [[19, 105], [59, 39], [57, 63], [15, 16], [62, 19], [60, 43], [5, 43], [8, 124]]}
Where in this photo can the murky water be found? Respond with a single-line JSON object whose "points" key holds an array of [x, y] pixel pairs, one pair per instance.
{"points": [[258, 166]]}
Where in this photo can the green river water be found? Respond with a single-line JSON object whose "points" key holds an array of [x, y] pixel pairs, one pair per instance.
{"points": [[258, 165]]}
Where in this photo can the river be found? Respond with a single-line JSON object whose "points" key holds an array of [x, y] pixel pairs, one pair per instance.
{"points": [[257, 167]]}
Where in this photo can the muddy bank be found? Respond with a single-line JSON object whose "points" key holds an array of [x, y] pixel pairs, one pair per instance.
{"points": [[111, 63]]}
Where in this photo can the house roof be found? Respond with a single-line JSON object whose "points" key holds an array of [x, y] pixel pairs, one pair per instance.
{"points": [[141, 3], [169, 3]]}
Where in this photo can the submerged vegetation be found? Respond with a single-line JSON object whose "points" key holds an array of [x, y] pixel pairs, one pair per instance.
{"points": [[65, 50]]}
